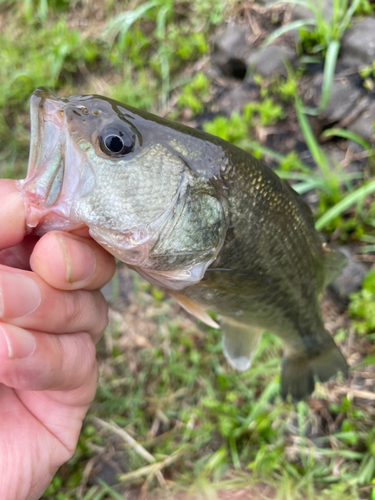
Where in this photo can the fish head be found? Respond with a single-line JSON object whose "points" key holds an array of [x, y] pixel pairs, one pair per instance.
{"points": [[91, 165], [98, 163]]}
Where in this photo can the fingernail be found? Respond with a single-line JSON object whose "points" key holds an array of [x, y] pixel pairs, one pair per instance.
{"points": [[19, 295], [79, 258], [16, 343]]}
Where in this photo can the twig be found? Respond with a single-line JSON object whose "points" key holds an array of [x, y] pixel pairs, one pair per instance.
{"points": [[168, 461], [355, 393], [151, 469]]}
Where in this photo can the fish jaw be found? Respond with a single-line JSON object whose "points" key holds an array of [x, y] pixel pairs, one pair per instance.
{"points": [[54, 168]]}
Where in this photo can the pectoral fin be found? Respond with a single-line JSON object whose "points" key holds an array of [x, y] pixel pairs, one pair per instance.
{"points": [[194, 309], [175, 279], [239, 342]]}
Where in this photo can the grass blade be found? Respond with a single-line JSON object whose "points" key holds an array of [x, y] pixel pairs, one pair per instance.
{"points": [[328, 74], [344, 204], [288, 27], [311, 142], [346, 134], [305, 187], [347, 18], [271, 153], [122, 22], [108, 489]]}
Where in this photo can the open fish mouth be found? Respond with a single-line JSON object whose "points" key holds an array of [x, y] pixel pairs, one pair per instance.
{"points": [[46, 164], [43, 188]]}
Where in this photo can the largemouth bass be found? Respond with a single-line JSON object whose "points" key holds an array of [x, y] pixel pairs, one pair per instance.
{"points": [[192, 214]]}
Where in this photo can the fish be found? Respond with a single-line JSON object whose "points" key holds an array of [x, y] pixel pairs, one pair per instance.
{"points": [[194, 215]]}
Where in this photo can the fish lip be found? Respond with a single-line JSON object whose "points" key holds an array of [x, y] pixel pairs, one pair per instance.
{"points": [[45, 106], [44, 181]]}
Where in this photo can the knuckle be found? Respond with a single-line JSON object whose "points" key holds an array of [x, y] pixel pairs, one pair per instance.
{"points": [[86, 311], [73, 309], [79, 359], [101, 314]]}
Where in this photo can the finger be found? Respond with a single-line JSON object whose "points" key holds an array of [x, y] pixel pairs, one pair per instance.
{"points": [[19, 255], [12, 221], [27, 301], [36, 361], [68, 262]]}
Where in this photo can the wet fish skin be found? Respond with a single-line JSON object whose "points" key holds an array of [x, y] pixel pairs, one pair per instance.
{"points": [[193, 214]]}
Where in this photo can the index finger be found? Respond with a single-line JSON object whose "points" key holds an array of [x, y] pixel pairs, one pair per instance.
{"points": [[12, 219]]}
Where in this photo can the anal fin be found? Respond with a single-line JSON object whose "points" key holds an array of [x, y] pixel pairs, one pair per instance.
{"points": [[195, 309], [239, 342]]}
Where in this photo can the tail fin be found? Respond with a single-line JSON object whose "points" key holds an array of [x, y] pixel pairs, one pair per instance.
{"points": [[299, 371]]}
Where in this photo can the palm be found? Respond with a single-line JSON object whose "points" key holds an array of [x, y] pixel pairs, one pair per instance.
{"points": [[39, 429]]}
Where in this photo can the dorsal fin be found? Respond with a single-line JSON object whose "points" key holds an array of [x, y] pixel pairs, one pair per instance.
{"points": [[334, 262]]}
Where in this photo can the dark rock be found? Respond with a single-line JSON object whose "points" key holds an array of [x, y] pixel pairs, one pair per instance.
{"points": [[269, 61], [364, 124], [358, 44], [108, 474], [344, 96], [342, 100], [351, 277], [300, 12], [236, 98], [358, 158], [107, 468], [230, 50]]}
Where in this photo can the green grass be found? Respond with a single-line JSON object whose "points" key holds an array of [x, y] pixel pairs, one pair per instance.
{"points": [[321, 35], [134, 55], [164, 384], [212, 422]]}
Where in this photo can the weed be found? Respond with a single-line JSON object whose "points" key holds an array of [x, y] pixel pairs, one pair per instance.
{"points": [[321, 35], [331, 183], [362, 306], [194, 93], [267, 111], [232, 129]]}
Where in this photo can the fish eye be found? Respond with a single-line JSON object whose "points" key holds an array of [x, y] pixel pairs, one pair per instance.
{"points": [[116, 141]]}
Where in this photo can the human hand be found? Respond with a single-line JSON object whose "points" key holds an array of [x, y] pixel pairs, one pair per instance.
{"points": [[51, 317]]}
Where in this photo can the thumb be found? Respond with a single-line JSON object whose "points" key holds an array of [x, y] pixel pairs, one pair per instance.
{"points": [[12, 220]]}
